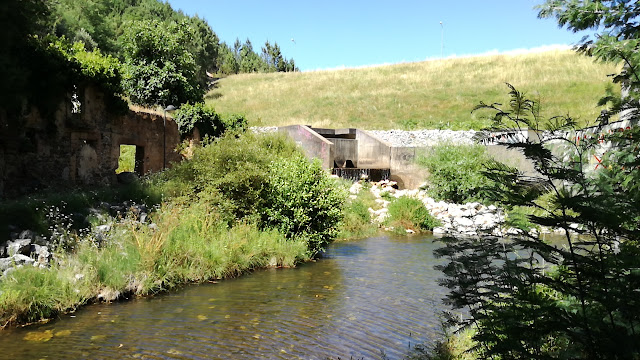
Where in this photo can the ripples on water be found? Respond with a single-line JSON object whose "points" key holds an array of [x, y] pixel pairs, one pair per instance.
{"points": [[361, 298]]}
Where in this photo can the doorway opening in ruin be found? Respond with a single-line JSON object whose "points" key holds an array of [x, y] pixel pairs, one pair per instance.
{"points": [[131, 159], [127, 159]]}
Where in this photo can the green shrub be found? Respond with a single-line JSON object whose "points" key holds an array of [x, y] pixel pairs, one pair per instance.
{"points": [[209, 123], [232, 169], [235, 122], [301, 200], [455, 172], [201, 117], [410, 213], [357, 219]]}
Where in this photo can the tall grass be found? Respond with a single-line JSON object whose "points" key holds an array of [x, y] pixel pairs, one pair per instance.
{"points": [[423, 95], [189, 245], [357, 222]]}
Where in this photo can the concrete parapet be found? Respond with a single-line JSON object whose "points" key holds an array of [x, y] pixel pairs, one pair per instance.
{"points": [[313, 144], [373, 153], [512, 157]]}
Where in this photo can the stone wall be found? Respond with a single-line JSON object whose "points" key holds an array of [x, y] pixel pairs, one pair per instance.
{"points": [[79, 145]]}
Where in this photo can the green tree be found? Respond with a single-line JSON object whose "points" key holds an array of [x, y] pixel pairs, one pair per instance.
{"points": [[204, 46], [85, 21], [159, 69], [577, 298], [250, 61], [574, 299], [227, 62], [456, 172], [207, 121], [24, 24], [273, 59]]}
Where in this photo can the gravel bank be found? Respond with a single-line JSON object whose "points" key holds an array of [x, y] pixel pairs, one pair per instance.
{"points": [[415, 138]]}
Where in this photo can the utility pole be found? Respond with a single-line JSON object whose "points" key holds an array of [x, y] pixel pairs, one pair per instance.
{"points": [[441, 40]]}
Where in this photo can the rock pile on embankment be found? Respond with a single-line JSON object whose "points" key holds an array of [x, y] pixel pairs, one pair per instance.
{"points": [[26, 248], [471, 219], [405, 138], [419, 138]]}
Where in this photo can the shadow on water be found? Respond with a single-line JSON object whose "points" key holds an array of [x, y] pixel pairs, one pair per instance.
{"points": [[361, 297]]}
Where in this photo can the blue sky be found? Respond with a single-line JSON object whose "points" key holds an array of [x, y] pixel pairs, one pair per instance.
{"points": [[333, 34]]}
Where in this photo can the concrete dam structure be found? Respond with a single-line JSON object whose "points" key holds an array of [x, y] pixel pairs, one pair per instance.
{"points": [[352, 153]]}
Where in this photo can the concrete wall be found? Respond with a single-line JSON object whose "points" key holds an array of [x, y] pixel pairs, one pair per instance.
{"points": [[83, 147], [373, 153], [512, 157], [345, 149], [404, 169], [314, 145]]}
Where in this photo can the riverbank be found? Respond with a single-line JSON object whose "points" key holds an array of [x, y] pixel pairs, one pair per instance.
{"points": [[241, 203], [182, 245], [469, 219]]}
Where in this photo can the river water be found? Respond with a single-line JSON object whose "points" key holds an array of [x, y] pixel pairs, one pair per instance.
{"points": [[361, 298]]}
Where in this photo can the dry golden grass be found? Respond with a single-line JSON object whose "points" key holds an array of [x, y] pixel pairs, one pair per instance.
{"points": [[423, 95]]}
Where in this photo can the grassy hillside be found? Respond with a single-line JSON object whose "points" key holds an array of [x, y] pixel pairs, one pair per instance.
{"points": [[425, 95]]}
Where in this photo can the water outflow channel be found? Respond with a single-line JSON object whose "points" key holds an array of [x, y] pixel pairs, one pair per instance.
{"points": [[362, 297]]}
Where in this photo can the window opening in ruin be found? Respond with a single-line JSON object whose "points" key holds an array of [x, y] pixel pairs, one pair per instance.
{"points": [[127, 159], [76, 105]]}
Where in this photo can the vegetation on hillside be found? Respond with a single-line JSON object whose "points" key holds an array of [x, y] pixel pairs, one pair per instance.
{"points": [[434, 94], [101, 24]]}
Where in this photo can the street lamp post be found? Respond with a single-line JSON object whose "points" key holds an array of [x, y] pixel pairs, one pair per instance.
{"points": [[441, 40], [164, 136]]}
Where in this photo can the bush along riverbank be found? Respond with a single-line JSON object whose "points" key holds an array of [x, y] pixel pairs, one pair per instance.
{"points": [[241, 203], [414, 211]]}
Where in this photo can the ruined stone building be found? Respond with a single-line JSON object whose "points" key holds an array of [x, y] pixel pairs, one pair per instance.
{"points": [[79, 144]]}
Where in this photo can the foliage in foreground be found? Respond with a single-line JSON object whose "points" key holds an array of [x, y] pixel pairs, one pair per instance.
{"points": [[456, 172], [576, 299]]}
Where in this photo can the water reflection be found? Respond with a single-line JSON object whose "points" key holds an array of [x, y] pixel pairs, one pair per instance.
{"points": [[379, 293]]}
